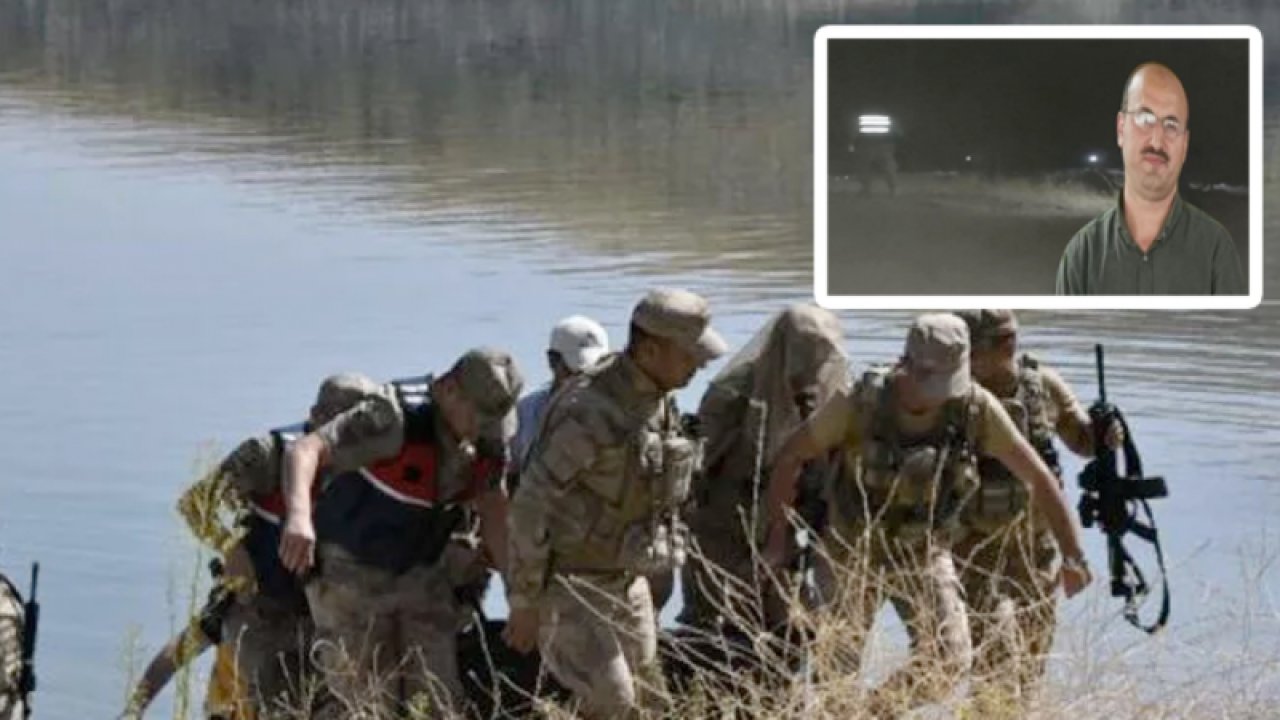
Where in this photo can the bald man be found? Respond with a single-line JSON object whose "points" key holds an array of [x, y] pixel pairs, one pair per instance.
{"points": [[1153, 242]]}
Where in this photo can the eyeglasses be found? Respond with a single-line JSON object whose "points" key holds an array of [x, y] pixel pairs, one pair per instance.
{"points": [[1146, 120]]}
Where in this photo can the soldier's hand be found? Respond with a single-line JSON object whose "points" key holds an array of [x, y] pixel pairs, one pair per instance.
{"points": [[1074, 576], [298, 544], [521, 633], [1115, 434]]}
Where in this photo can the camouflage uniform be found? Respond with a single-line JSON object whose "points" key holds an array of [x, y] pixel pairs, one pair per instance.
{"points": [[383, 598], [595, 515], [1007, 555], [745, 415], [267, 628], [894, 507], [11, 630]]}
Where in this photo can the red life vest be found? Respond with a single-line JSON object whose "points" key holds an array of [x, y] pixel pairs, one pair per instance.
{"points": [[394, 514]]}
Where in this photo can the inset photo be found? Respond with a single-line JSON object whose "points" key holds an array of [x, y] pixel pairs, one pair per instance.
{"points": [[1046, 167]]}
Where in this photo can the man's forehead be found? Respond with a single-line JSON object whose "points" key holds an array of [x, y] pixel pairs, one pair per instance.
{"points": [[1158, 90]]}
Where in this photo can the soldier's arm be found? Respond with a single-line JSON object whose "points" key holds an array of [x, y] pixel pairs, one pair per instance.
{"points": [[492, 507], [833, 423], [1000, 439], [302, 460], [1073, 424], [371, 430], [180, 650], [551, 472], [824, 430], [528, 554]]}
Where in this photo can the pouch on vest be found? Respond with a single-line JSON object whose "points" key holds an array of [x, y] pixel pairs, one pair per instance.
{"points": [[1020, 414], [652, 547], [680, 456], [1000, 498]]}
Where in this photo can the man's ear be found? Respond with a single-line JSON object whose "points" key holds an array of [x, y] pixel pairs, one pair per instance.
{"points": [[1120, 129]]}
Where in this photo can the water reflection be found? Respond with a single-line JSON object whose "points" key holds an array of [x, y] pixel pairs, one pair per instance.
{"points": [[577, 114]]}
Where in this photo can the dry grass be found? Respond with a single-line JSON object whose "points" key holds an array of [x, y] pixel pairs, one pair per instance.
{"points": [[1224, 665]]}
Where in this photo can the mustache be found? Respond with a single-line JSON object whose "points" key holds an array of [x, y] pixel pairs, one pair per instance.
{"points": [[1158, 153]]}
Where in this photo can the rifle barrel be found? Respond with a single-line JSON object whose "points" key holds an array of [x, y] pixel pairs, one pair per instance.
{"points": [[1102, 373]]}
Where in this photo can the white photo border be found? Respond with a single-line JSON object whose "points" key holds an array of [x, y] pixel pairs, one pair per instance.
{"points": [[1035, 32]]}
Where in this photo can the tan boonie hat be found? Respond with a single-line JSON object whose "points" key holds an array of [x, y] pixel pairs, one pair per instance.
{"points": [[491, 381], [680, 316], [988, 326], [339, 393], [937, 355]]}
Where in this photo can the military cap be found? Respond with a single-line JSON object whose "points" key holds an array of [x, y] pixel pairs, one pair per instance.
{"points": [[989, 326], [937, 355], [491, 380], [682, 317], [338, 393]]}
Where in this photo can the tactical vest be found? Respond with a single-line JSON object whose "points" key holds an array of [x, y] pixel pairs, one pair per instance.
{"points": [[394, 514], [638, 486], [908, 485], [1002, 498]]}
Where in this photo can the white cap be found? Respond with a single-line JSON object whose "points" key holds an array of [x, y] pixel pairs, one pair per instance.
{"points": [[580, 341]]}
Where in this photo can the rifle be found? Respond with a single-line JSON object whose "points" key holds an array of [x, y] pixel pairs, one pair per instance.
{"points": [[30, 624], [1112, 501]]}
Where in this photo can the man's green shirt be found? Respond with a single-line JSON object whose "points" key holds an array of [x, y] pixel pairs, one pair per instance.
{"points": [[1192, 255]]}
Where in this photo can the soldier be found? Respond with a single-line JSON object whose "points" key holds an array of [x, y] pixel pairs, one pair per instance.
{"points": [[594, 514], [1007, 556], [12, 627], [257, 613], [796, 360], [910, 435], [403, 472]]}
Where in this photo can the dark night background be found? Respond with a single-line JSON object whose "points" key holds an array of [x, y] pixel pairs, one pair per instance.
{"points": [[1027, 106]]}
